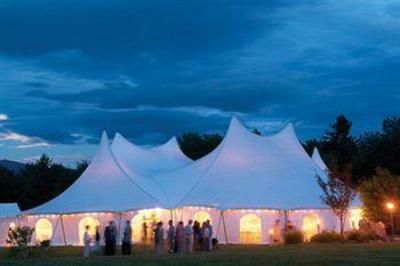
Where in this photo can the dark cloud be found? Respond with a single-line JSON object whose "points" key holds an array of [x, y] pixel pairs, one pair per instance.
{"points": [[152, 69], [36, 84]]}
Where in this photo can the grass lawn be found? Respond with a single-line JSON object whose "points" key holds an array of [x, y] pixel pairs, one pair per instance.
{"points": [[313, 254]]}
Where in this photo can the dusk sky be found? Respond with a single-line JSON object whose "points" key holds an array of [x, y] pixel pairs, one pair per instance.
{"points": [[154, 69]]}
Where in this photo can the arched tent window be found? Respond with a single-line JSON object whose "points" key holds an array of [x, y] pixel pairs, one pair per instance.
{"points": [[250, 229], [142, 224], [311, 225], [355, 216], [202, 216], [43, 230], [92, 223]]}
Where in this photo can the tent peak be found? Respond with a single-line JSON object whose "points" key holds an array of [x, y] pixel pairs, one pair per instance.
{"points": [[316, 157], [104, 141]]}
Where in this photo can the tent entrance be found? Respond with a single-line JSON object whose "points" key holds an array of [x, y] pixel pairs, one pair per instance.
{"points": [[92, 223], [311, 226], [143, 223], [250, 229]]}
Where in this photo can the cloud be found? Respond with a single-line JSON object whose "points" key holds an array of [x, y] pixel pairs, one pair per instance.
{"points": [[3, 117], [14, 136], [33, 145]]}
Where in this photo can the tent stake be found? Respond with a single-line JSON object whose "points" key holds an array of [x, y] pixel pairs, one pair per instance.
{"points": [[63, 230], [223, 222]]}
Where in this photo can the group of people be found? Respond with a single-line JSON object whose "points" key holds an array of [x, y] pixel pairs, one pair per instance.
{"points": [[187, 238], [110, 240], [181, 238]]}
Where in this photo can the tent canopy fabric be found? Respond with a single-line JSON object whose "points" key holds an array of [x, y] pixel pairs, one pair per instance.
{"points": [[9, 210], [244, 171], [104, 186], [316, 157], [149, 161], [248, 171]]}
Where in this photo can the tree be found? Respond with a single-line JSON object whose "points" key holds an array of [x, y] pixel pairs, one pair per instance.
{"points": [[20, 240], [310, 144], [43, 180], [196, 146], [337, 192], [339, 148], [376, 191], [8, 186]]}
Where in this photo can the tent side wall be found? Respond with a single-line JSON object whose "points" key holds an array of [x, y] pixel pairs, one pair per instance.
{"points": [[228, 228]]}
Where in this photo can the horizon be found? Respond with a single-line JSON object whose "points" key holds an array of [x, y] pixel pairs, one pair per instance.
{"points": [[153, 70]]}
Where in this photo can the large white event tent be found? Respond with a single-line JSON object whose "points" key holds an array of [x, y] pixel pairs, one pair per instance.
{"points": [[243, 186]]}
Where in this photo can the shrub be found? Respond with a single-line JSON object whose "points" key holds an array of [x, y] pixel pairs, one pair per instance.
{"points": [[45, 243], [326, 237], [295, 237], [20, 240], [359, 236]]}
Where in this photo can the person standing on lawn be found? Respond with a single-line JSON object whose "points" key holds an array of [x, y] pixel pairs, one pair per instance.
{"points": [[180, 238], [110, 239], [188, 230], [210, 234], [159, 238], [276, 233], [127, 239], [205, 236], [86, 242], [171, 237], [96, 248], [196, 235]]}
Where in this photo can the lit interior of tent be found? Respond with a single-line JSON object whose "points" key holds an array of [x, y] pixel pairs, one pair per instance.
{"points": [[43, 230]]}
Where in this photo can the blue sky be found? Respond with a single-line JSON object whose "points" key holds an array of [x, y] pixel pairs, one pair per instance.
{"points": [[153, 69]]}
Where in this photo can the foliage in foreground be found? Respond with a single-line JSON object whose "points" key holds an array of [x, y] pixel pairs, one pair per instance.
{"points": [[295, 237], [375, 192], [326, 237], [20, 239]]}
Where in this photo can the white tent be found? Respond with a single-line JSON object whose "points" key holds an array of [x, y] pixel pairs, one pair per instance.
{"points": [[104, 186], [248, 171], [316, 157], [149, 161], [246, 184]]}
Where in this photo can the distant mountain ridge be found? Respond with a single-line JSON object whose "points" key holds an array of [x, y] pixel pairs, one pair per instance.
{"points": [[12, 166]]}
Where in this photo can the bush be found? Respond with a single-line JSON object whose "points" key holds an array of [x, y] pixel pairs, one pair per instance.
{"points": [[359, 236], [20, 239], [295, 237], [45, 243], [326, 237]]}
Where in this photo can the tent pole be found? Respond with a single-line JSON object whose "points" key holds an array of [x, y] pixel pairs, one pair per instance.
{"points": [[171, 212], [63, 230], [223, 221], [286, 218], [218, 225], [182, 214], [119, 227]]}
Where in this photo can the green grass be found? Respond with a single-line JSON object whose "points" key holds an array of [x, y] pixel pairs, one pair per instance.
{"points": [[313, 254]]}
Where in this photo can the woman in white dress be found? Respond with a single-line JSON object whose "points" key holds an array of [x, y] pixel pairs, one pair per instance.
{"points": [[86, 242]]}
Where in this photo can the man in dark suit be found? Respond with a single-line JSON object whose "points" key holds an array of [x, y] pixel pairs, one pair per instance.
{"points": [[110, 239]]}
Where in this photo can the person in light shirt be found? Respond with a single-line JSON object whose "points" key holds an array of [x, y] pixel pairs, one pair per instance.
{"points": [[86, 242], [188, 230]]}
